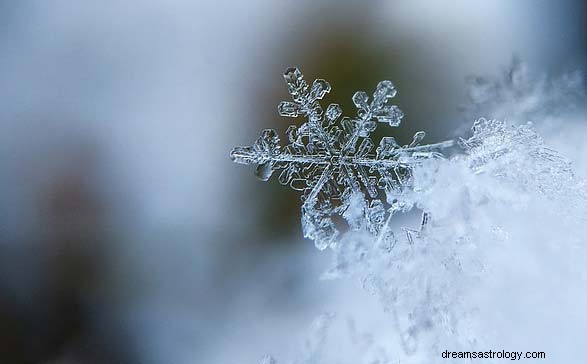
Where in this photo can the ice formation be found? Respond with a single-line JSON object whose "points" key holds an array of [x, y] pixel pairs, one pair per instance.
{"points": [[505, 180], [434, 288], [334, 162], [505, 210]]}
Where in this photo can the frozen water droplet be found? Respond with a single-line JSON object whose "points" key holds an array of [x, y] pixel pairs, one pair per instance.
{"points": [[264, 171]]}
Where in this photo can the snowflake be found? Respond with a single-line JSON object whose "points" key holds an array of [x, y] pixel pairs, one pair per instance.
{"points": [[332, 160]]}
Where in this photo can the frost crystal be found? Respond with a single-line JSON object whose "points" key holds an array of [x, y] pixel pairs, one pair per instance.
{"points": [[334, 162]]}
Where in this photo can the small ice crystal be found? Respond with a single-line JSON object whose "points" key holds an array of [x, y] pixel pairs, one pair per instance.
{"points": [[334, 162]]}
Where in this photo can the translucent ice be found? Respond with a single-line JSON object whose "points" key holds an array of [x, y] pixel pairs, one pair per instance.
{"points": [[332, 161]]}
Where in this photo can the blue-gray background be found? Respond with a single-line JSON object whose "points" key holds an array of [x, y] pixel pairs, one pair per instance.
{"points": [[126, 234]]}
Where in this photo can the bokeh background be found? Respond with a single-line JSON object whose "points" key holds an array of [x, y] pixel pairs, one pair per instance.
{"points": [[126, 233]]}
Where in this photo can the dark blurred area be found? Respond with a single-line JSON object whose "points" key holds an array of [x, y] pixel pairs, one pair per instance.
{"points": [[54, 276], [126, 234]]}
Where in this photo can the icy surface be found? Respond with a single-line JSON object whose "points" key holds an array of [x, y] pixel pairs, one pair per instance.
{"points": [[335, 164]]}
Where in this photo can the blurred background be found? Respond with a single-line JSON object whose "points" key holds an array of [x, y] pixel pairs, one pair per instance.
{"points": [[126, 233]]}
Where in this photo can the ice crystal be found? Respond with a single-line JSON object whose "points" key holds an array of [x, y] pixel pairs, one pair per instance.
{"points": [[518, 155], [334, 162]]}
